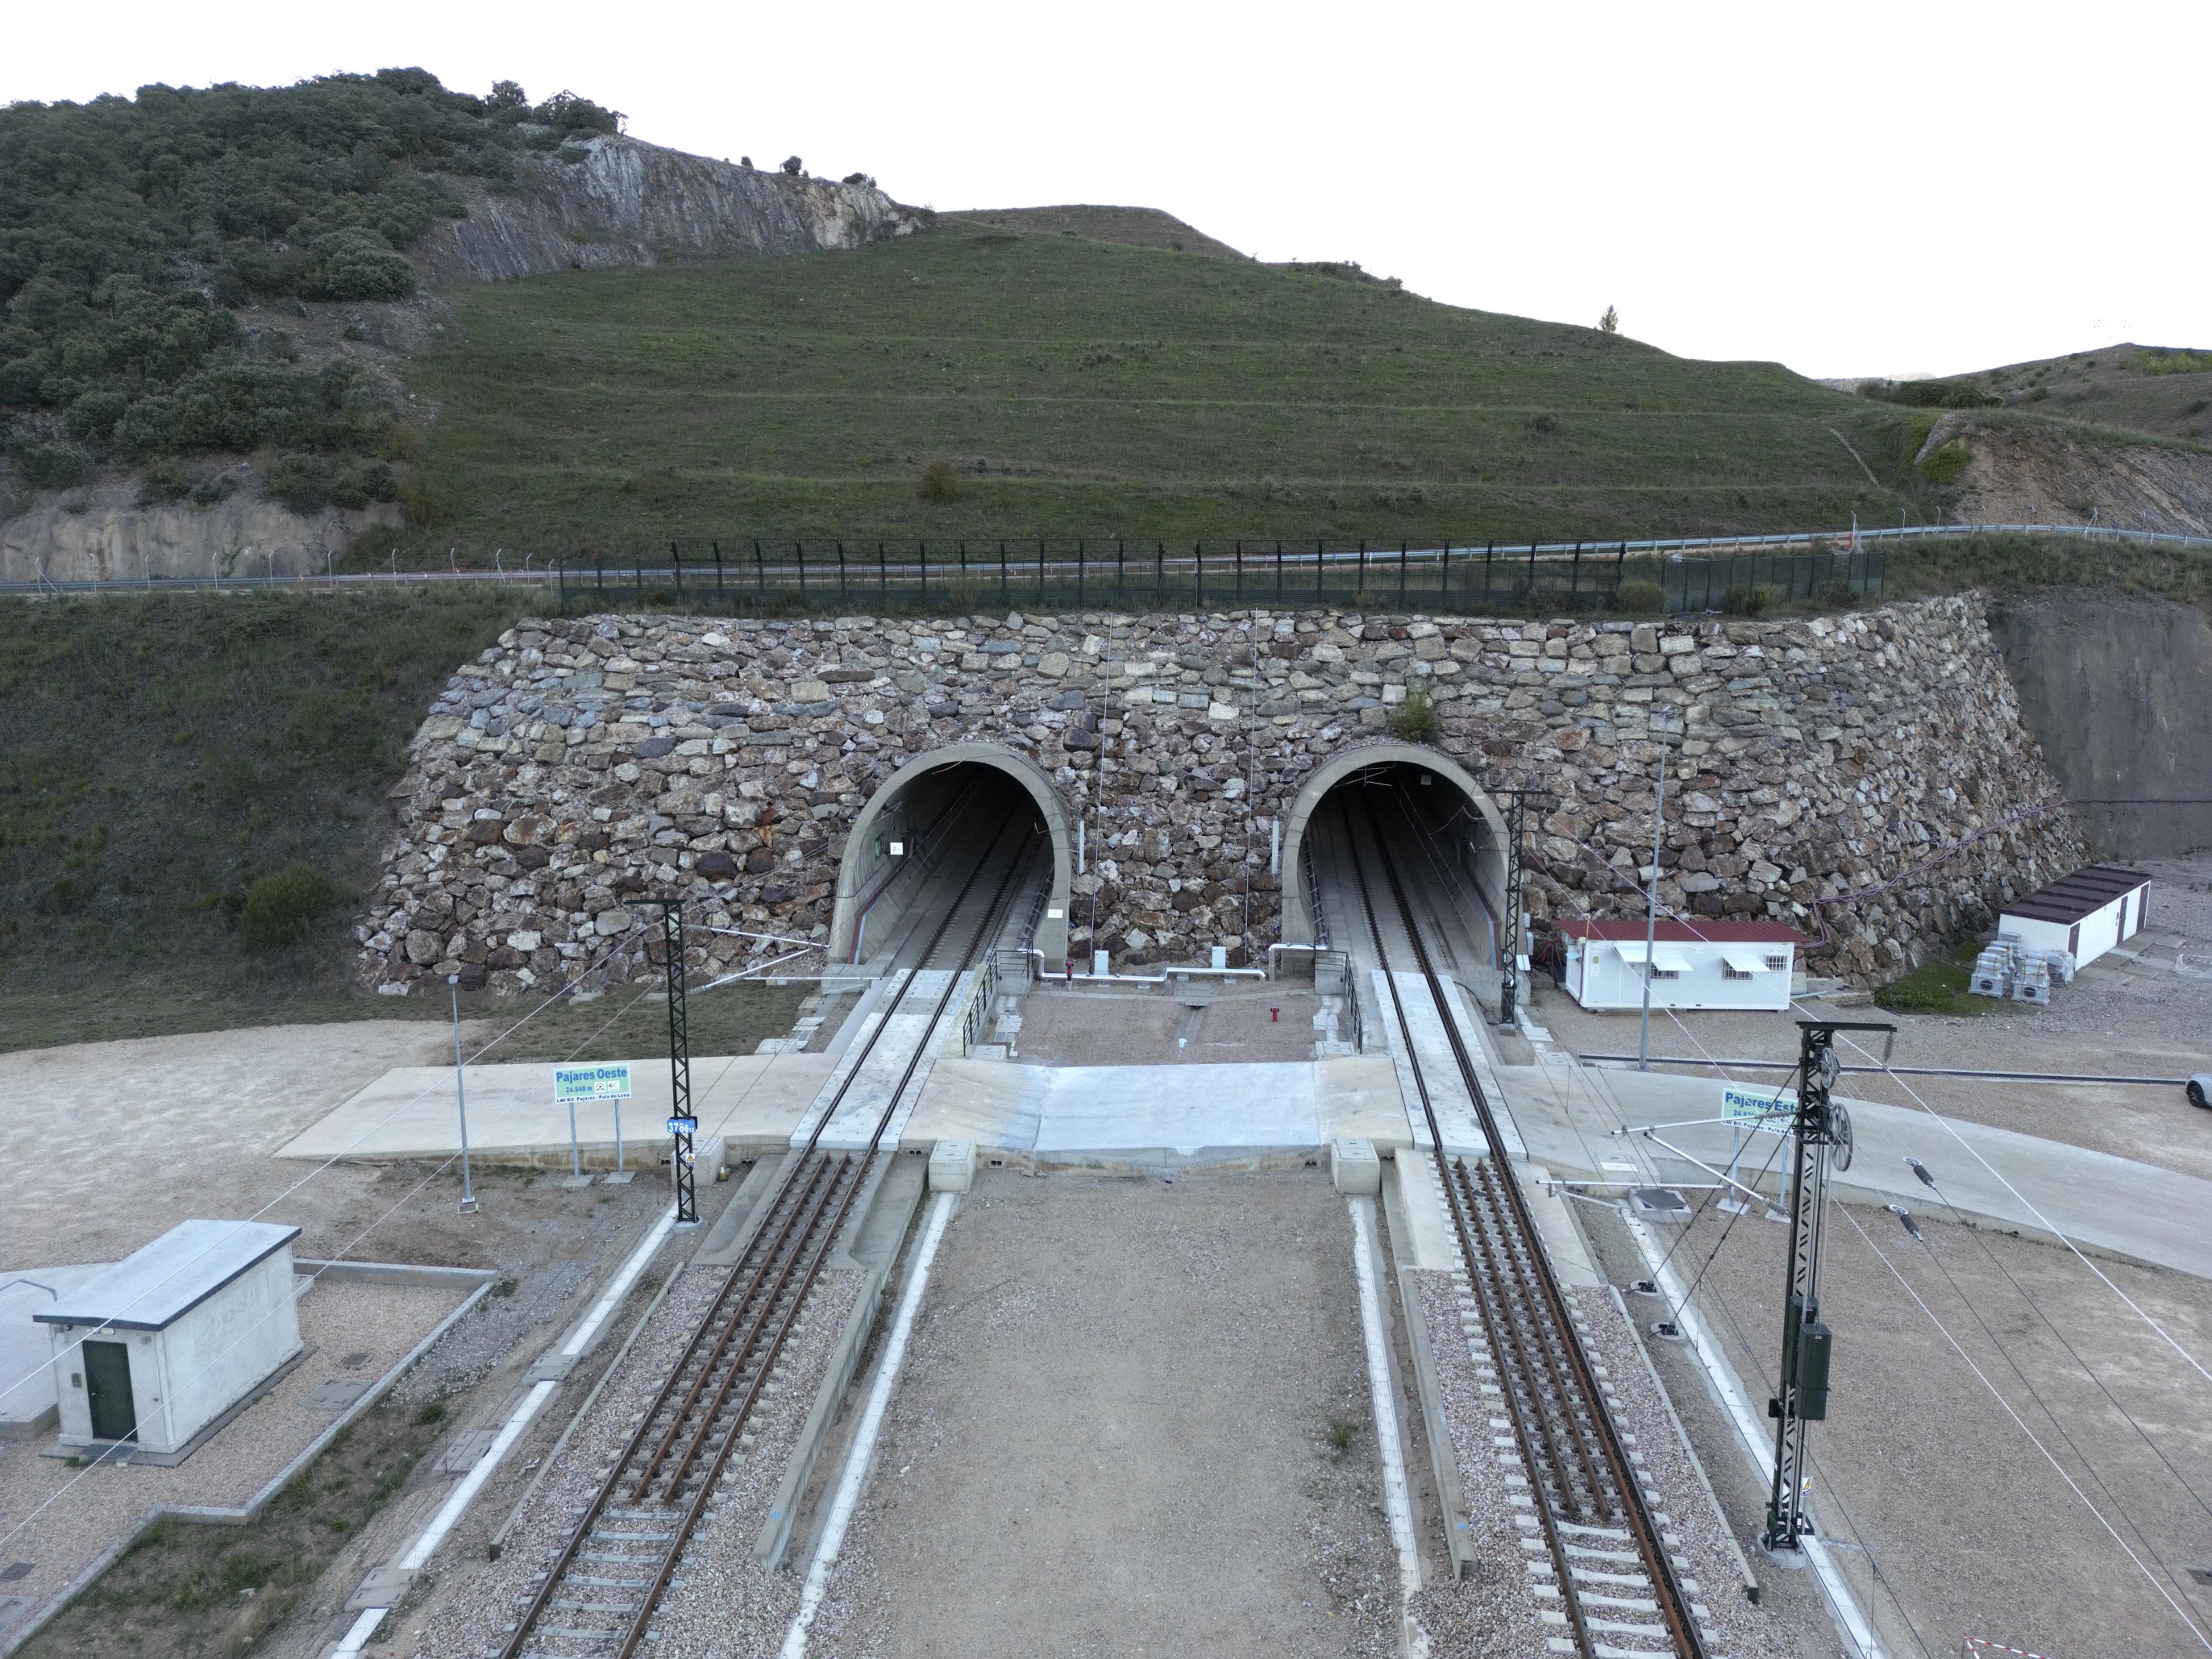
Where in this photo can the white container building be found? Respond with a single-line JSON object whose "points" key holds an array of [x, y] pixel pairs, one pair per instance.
{"points": [[154, 1348], [1721, 963], [2085, 914]]}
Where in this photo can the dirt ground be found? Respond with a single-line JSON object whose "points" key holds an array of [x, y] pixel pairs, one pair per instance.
{"points": [[1099, 1028], [1947, 1516], [2139, 1019], [1134, 1419]]}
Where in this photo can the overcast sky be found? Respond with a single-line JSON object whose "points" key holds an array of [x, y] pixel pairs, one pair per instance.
{"points": [[1869, 188]]}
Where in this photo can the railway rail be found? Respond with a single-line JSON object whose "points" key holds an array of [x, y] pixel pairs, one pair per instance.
{"points": [[1600, 1569], [597, 1595]]}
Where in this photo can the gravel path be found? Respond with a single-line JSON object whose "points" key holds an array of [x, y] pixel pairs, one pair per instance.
{"points": [[718, 1594], [1134, 1420]]}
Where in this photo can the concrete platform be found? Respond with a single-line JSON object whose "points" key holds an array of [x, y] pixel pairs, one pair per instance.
{"points": [[749, 1101], [2118, 1206]]}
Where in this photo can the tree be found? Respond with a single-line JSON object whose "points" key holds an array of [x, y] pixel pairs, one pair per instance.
{"points": [[1610, 323], [791, 165]]}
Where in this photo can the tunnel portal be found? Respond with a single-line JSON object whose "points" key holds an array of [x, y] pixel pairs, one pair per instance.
{"points": [[925, 828]]}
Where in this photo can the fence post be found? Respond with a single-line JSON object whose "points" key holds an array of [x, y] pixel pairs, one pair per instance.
{"points": [[1443, 577], [1198, 573], [638, 575], [717, 546], [1040, 572], [1279, 573], [561, 566], [1575, 579], [799, 549], [1081, 591], [921, 559], [1489, 558], [676, 563], [1359, 591], [1160, 573], [760, 572], [1240, 572], [1320, 572]]}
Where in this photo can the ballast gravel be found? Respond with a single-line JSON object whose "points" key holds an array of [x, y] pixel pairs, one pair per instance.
{"points": [[719, 1602], [1494, 1610], [1703, 1552]]}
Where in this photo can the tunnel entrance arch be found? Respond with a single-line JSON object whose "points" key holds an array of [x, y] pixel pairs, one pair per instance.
{"points": [[1489, 839], [910, 800]]}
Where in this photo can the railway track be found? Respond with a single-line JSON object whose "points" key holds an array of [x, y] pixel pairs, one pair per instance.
{"points": [[1600, 1568], [595, 1596]]}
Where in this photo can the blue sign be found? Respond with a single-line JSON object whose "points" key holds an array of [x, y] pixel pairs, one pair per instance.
{"points": [[683, 1126]]}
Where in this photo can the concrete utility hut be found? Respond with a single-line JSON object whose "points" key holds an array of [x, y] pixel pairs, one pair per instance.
{"points": [[1709, 964], [2085, 914], [159, 1345]]}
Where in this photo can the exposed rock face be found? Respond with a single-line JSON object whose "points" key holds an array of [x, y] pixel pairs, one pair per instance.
{"points": [[2119, 693], [581, 763], [630, 203], [2044, 475], [100, 534]]}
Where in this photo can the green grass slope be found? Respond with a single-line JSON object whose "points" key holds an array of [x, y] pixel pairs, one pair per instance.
{"points": [[1084, 388], [158, 755], [2165, 392]]}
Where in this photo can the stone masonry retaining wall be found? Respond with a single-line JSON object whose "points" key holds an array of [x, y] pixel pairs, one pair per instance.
{"points": [[582, 764]]}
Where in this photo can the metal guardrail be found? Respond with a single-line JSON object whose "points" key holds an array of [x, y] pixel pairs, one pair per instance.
{"points": [[786, 573]]}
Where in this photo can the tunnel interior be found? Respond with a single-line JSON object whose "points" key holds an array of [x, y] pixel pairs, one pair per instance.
{"points": [[917, 843], [1443, 840]]}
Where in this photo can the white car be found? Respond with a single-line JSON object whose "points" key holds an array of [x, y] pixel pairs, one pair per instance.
{"points": [[2200, 1089]]}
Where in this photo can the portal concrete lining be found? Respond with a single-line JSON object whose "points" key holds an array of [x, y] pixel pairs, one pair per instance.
{"points": [[1298, 904], [861, 869]]}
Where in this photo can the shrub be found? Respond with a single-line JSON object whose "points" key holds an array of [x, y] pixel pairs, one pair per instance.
{"points": [[308, 483], [1747, 601], [1946, 463], [1415, 718], [164, 481], [280, 909], [792, 165], [49, 467], [940, 481], [1931, 394], [1638, 598], [360, 265]]}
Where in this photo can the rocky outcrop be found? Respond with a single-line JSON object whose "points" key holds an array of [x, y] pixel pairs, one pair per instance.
{"points": [[2118, 691], [1865, 778], [100, 533], [2045, 474], [630, 203]]}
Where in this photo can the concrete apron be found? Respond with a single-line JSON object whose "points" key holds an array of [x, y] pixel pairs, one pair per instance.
{"points": [[2106, 1205]]}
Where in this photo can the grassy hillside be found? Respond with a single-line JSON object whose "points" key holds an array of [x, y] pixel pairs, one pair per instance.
{"points": [[159, 755], [1084, 388], [2164, 390]]}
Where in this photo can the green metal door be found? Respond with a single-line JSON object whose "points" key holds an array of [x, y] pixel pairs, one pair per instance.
{"points": [[107, 1380]]}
